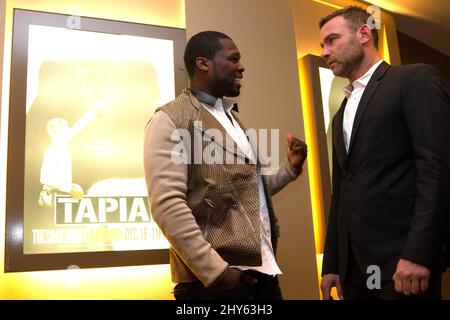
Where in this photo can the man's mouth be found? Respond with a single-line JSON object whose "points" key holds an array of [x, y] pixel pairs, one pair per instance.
{"points": [[237, 80]]}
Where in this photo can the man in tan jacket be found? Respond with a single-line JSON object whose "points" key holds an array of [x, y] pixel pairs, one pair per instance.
{"points": [[206, 186]]}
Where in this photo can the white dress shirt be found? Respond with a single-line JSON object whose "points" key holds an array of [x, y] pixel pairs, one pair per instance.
{"points": [[269, 265], [354, 92]]}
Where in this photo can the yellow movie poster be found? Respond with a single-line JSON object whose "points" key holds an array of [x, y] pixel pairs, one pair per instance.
{"points": [[89, 97]]}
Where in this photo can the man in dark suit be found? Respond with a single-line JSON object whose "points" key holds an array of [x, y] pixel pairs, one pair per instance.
{"points": [[391, 157]]}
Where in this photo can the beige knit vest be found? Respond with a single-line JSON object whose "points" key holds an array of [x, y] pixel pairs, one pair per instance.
{"points": [[224, 200]]}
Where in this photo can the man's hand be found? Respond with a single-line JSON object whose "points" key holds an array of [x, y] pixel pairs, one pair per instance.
{"points": [[231, 279], [297, 151], [411, 278], [329, 281]]}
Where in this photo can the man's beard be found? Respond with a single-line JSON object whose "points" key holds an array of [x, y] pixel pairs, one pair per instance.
{"points": [[226, 86], [349, 64]]}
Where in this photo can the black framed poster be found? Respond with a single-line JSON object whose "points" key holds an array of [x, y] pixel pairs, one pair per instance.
{"points": [[82, 91]]}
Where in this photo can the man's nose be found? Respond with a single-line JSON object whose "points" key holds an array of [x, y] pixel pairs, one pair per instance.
{"points": [[241, 67], [325, 52]]}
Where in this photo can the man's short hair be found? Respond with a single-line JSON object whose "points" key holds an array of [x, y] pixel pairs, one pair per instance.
{"points": [[355, 17], [204, 44]]}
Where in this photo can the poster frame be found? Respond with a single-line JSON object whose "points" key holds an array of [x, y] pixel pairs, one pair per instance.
{"points": [[15, 259]]}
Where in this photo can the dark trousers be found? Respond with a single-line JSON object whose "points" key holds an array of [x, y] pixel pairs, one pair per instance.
{"points": [[355, 286], [267, 288]]}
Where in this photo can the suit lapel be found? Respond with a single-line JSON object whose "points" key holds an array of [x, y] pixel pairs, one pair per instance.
{"points": [[372, 86]]}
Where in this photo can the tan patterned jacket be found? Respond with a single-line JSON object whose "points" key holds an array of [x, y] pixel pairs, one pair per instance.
{"points": [[208, 212]]}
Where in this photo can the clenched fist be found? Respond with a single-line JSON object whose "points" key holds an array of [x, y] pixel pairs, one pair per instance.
{"points": [[297, 151]]}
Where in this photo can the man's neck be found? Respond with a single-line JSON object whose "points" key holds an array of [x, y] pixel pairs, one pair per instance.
{"points": [[365, 65], [199, 87], [205, 97]]}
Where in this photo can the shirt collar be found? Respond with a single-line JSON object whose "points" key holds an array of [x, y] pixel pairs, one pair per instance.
{"points": [[212, 101], [362, 81]]}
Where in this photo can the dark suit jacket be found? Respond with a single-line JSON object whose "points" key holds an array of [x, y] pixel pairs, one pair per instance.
{"points": [[390, 192]]}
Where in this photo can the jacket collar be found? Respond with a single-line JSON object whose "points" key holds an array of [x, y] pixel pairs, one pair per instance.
{"points": [[210, 100]]}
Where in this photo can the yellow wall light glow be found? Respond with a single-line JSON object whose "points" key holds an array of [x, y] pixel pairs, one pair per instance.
{"points": [[397, 7], [385, 47], [314, 174], [313, 158], [328, 4]]}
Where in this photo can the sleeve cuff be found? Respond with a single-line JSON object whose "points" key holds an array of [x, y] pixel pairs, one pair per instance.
{"points": [[294, 172]]}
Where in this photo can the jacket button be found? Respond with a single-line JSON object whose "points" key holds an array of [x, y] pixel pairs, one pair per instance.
{"points": [[348, 176]]}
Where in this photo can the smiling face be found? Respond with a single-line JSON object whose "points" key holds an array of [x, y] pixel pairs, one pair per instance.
{"points": [[341, 48], [226, 70]]}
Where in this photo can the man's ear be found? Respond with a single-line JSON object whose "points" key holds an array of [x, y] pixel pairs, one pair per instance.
{"points": [[365, 34], [202, 63]]}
